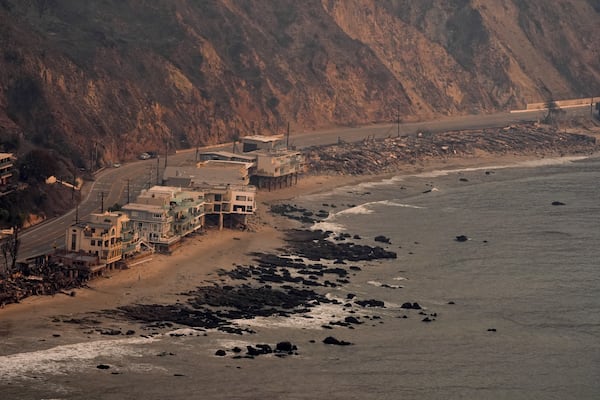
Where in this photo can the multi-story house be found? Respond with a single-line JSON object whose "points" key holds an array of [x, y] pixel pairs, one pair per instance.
{"points": [[209, 172], [102, 236], [162, 215], [6, 168], [229, 204]]}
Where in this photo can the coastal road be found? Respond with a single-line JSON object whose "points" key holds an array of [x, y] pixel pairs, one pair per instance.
{"points": [[115, 185]]}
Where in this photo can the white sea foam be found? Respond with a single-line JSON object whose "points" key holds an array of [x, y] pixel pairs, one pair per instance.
{"points": [[384, 182], [395, 204], [380, 284], [328, 226], [318, 316], [60, 360], [400, 278], [357, 210], [186, 332], [521, 164]]}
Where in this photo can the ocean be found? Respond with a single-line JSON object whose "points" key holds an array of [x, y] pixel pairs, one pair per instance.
{"points": [[513, 311]]}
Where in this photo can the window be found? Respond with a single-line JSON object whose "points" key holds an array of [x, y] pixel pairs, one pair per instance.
{"points": [[218, 197], [93, 243], [240, 198], [73, 242]]}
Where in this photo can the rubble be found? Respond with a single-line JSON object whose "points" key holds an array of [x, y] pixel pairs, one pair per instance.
{"points": [[371, 157]]}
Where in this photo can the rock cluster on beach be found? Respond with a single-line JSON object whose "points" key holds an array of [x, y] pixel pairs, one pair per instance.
{"points": [[275, 285]]}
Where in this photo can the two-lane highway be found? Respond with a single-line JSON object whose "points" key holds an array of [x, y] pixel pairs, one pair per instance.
{"points": [[111, 185]]}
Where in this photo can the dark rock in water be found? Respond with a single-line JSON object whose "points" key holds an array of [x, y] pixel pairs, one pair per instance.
{"points": [[314, 245], [253, 351], [357, 237], [411, 306], [332, 340], [463, 180], [285, 347], [451, 302], [350, 296], [355, 268], [264, 348], [102, 366], [491, 330], [236, 350], [558, 203], [56, 334], [426, 319], [130, 332], [370, 303], [220, 353], [382, 239], [352, 320], [461, 238]]}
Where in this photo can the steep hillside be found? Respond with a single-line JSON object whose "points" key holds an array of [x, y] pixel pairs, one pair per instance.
{"points": [[123, 76]]}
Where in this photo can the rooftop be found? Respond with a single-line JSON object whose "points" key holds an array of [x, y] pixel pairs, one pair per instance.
{"points": [[262, 138]]}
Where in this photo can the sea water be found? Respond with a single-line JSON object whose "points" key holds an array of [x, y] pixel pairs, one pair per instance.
{"points": [[514, 310]]}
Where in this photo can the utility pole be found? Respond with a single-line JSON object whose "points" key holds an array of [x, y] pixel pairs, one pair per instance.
{"points": [[398, 120], [166, 153], [77, 213], [158, 167], [101, 202]]}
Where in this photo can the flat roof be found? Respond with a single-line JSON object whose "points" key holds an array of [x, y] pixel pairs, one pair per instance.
{"points": [[225, 164], [143, 207], [262, 138], [227, 154]]}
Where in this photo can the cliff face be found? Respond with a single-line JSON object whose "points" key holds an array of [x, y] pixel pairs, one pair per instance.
{"points": [[134, 75]]}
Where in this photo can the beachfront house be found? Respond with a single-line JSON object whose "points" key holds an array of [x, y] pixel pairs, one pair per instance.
{"points": [[277, 168], [209, 172], [229, 205], [261, 142], [162, 215], [104, 236]]}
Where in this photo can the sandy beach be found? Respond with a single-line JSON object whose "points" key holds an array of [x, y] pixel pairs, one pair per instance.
{"points": [[161, 278]]}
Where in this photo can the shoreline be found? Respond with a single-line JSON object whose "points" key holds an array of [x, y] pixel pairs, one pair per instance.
{"points": [[163, 277]]}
